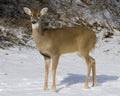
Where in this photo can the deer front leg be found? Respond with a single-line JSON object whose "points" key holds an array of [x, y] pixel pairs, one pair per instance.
{"points": [[54, 68], [47, 64]]}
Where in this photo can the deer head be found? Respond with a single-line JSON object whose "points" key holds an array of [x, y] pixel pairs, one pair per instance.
{"points": [[35, 16]]}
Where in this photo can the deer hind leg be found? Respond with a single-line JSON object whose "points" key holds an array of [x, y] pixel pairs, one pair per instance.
{"points": [[93, 71], [47, 64], [90, 65], [54, 68]]}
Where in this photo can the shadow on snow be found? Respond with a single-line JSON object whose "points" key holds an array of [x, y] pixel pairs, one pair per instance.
{"points": [[72, 79]]}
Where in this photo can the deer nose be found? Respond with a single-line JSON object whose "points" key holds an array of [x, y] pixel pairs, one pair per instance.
{"points": [[33, 22]]}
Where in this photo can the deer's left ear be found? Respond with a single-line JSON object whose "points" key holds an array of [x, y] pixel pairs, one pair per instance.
{"points": [[27, 10], [44, 11]]}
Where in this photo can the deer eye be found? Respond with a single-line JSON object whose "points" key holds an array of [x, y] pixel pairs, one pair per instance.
{"points": [[31, 16], [38, 16]]}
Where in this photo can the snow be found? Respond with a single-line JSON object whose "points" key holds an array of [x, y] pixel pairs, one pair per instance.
{"points": [[22, 72]]}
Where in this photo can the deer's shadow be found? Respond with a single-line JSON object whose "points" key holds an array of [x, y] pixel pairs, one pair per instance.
{"points": [[72, 79]]}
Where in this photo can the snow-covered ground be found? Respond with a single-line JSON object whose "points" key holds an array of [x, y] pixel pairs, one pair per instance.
{"points": [[22, 72]]}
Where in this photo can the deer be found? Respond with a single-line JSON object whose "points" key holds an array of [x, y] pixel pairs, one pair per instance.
{"points": [[52, 43]]}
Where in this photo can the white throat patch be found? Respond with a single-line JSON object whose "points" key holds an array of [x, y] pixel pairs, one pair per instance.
{"points": [[35, 26]]}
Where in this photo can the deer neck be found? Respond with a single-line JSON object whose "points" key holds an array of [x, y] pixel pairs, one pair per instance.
{"points": [[37, 28], [37, 34]]}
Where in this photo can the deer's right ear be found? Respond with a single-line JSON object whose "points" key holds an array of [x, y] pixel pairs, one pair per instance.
{"points": [[27, 10], [44, 11]]}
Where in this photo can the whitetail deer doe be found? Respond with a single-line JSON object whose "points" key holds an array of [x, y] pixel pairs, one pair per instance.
{"points": [[52, 43]]}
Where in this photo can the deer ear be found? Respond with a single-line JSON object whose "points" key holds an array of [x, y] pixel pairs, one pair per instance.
{"points": [[44, 11], [27, 10]]}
